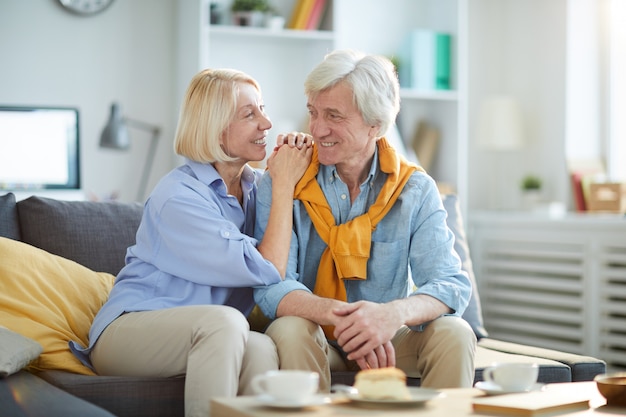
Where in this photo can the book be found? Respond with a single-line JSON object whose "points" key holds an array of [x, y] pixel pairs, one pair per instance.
{"points": [[303, 14], [535, 403], [442, 61], [424, 60], [577, 191], [293, 20], [584, 171], [315, 18], [425, 144]]}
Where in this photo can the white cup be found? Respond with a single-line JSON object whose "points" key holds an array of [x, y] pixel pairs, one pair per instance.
{"points": [[287, 385], [512, 376]]}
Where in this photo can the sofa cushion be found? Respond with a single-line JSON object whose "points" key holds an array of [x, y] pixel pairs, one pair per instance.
{"points": [[94, 234], [25, 395], [16, 351], [583, 368], [51, 300], [9, 226], [125, 395], [473, 314], [550, 370]]}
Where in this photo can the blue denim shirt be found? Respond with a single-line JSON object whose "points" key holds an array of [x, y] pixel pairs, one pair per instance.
{"points": [[412, 247], [194, 246]]}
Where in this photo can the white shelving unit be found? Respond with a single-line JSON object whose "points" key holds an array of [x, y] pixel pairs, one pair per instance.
{"points": [[280, 60]]}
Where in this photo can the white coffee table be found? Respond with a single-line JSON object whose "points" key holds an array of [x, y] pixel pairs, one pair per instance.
{"points": [[454, 403]]}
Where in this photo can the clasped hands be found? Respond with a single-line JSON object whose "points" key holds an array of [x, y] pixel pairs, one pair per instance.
{"points": [[288, 163], [364, 330]]}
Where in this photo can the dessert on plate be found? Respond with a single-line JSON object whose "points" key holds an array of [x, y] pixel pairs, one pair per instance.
{"points": [[382, 384]]}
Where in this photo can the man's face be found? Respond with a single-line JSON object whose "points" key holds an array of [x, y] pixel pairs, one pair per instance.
{"points": [[341, 134]]}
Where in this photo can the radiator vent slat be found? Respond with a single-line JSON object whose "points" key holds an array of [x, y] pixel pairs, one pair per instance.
{"points": [[558, 284]]}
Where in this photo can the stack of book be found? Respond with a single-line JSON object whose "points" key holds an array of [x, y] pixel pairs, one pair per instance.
{"points": [[307, 15], [424, 60], [583, 173]]}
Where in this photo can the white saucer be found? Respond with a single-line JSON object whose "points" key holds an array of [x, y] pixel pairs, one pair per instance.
{"points": [[418, 396], [492, 389], [270, 401]]}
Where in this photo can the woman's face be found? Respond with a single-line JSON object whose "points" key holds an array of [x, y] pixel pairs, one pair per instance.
{"points": [[246, 136]]}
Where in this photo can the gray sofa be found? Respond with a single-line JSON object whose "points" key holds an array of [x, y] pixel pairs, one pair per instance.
{"points": [[96, 235]]}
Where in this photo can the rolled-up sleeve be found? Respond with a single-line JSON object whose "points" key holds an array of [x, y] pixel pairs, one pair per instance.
{"points": [[268, 296], [192, 239], [435, 266]]}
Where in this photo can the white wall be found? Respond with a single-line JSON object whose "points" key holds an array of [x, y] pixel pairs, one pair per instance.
{"points": [[518, 48], [51, 57], [129, 54]]}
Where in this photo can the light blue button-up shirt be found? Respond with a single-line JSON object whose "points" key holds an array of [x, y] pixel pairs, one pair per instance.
{"points": [[412, 247], [194, 246]]}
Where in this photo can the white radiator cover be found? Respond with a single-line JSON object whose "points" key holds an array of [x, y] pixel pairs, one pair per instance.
{"points": [[557, 283]]}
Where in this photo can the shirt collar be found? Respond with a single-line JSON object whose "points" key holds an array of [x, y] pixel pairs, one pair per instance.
{"points": [[207, 174]]}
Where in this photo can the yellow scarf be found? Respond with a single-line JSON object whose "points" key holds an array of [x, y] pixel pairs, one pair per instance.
{"points": [[349, 244]]}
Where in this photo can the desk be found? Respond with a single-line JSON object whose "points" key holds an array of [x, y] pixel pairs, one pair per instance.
{"points": [[454, 403]]}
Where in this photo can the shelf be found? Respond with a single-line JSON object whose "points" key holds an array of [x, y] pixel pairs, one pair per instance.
{"points": [[229, 30], [442, 95]]}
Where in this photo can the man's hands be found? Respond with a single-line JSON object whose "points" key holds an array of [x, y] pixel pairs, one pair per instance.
{"points": [[364, 330]]}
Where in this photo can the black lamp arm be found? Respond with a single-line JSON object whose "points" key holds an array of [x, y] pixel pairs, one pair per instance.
{"points": [[141, 192]]}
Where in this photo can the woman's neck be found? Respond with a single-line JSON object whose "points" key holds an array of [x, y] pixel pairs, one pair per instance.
{"points": [[231, 173]]}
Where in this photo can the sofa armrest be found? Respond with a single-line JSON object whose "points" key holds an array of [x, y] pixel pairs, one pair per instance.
{"points": [[24, 394], [584, 368]]}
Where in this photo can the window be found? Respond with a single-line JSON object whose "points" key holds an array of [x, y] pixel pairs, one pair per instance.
{"points": [[616, 89], [596, 86]]}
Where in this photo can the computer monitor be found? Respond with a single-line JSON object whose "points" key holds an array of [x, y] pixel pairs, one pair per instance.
{"points": [[39, 148]]}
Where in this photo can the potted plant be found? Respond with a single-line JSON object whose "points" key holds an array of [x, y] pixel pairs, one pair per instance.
{"points": [[531, 190], [531, 183], [250, 12]]}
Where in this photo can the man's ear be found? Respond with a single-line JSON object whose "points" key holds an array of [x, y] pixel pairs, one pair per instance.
{"points": [[374, 131]]}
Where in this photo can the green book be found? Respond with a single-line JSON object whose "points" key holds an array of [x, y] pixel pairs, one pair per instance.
{"points": [[442, 61]]}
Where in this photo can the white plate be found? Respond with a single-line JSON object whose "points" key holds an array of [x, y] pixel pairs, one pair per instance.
{"points": [[309, 402], [418, 397], [492, 389]]}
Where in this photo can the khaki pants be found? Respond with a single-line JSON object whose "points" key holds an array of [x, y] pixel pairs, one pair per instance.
{"points": [[442, 355], [211, 345]]}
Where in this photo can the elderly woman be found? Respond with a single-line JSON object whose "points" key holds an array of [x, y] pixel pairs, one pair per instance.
{"points": [[179, 305]]}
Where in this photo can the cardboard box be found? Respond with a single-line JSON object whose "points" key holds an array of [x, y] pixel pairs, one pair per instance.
{"points": [[607, 197]]}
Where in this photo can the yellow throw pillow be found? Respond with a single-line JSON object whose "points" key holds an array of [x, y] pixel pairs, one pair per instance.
{"points": [[51, 300]]}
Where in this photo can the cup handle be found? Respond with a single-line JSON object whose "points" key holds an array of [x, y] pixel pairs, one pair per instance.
{"points": [[488, 374], [258, 384]]}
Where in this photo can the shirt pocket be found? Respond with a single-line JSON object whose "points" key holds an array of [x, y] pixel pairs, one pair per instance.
{"points": [[387, 272]]}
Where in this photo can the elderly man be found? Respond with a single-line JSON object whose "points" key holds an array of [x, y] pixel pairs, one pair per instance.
{"points": [[372, 278]]}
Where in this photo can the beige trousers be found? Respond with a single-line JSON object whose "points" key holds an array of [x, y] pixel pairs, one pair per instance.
{"points": [[211, 345], [442, 355]]}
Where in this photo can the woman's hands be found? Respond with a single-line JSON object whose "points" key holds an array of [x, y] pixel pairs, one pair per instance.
{"points": [[288, 163], [294, 139]]}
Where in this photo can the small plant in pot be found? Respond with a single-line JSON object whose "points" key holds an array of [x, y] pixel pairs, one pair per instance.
{"points": [[531, 183], [250, 12], [531, 190]]}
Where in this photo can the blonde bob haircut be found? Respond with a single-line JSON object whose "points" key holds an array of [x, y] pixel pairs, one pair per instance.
{"points": [[208, 108], [372, 78]]}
